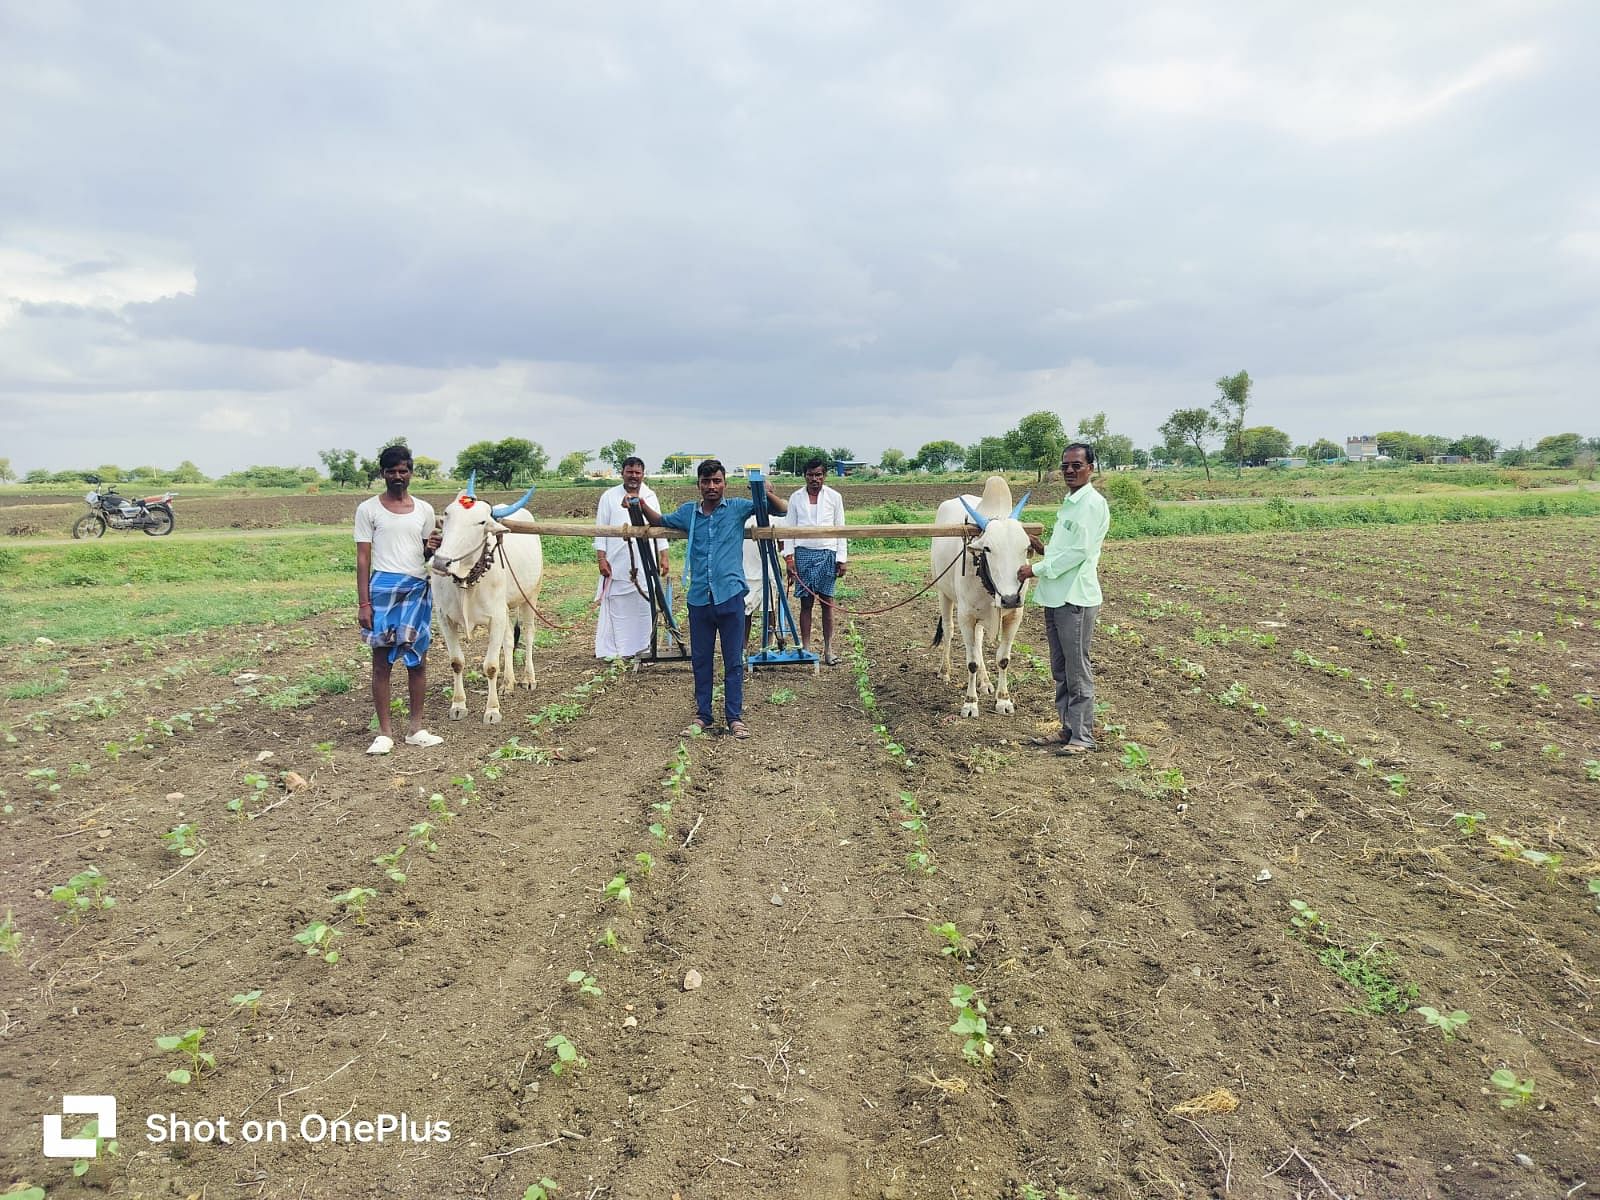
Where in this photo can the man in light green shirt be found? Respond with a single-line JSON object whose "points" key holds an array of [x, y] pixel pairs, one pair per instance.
{"points": [[1068, 587]]}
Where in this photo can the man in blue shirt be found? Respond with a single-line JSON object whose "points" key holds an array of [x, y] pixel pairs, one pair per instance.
{"points": [[715, 584]]}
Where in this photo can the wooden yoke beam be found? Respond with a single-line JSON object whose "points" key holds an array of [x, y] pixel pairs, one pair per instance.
{"points": [[782, 533]]}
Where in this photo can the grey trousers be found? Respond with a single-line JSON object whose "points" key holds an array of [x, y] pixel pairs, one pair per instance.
{"points": [[1070, 629]]}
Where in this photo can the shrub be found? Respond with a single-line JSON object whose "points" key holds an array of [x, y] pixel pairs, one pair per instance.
{"points": [[1124, 493]]}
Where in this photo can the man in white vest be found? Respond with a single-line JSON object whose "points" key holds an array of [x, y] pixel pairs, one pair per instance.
{"points": [[623, 627]]}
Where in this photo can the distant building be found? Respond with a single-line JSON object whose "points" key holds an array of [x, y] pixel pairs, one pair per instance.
{"points": [[1286, 462], [1450, 458], [1361, 448], [845, 466]]}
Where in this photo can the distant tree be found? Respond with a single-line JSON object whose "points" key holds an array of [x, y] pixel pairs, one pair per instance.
{"points": [[1558, 450], [1037, 441], [1402, 446], [424, 467], [141, 473], [616, 453], [502, 463], [1433, 444], [271, 477], [1141, 458], [893, 461], [111, 473], [677, 463], [1476, 447], [938, 456], [1516, 456], [1320, 450], [1115, 450], [989, 454], [1262, 442], [37, 475], [1189, 429], [186, 472], [342, 467], [571, 465], [1231, 404], [7, 475], [793, 459], [841, 454]]}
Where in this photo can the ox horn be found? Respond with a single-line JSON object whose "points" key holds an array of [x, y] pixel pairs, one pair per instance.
{"points": [[472, 485], [1016, 513], [501, 511], [978, 518]]}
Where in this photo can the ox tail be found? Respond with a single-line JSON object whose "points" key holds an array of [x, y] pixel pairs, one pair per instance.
{"points": [[938, 631]]}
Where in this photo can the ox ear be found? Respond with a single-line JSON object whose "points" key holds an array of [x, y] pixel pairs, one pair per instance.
{"points": [[978, 519], [1016, 513], [501, 511], [472, 484]]}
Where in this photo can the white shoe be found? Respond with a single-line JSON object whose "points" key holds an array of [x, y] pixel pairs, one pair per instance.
{"points": [[423, 738], [381, 744]]}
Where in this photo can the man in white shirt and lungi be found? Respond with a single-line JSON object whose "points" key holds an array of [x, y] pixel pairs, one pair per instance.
{"points": [[623, 627], [814, 564]]}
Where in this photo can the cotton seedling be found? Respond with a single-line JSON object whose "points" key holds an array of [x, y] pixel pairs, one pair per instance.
{"points": [[183, 840], [390, 863], [617, 889], [610, 941], [1134, 756], [956, 944], [1172, 780], [104, 1148], [541, 1190], [440, 808], [258, 784], [1399, 785], [1446, 1023], [355, 902], [1467, 822], [318, 938], [1550, 863], [187, 1043], [10, 937], [585, 983], [1591, 769], [1306, 918], [44, 779], [84, 893], [421, 835], [781, 696], [567, 1056], [1515, 1092], [971, 1023], [468, 786], [646, 861], [247, 1001]]}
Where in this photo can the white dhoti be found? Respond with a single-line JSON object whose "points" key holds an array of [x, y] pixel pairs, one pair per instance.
{"points": [[622, 628]]}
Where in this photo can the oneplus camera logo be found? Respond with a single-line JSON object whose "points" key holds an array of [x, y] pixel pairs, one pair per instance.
{"points": [[102, 1108]]}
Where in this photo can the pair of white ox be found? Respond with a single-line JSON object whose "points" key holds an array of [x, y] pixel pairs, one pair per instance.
{"points": [[486, 577], [982, 592]]}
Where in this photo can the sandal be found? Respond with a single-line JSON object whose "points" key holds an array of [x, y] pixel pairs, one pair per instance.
{"points": [[738, 729], [696, 728], [381, 744]]}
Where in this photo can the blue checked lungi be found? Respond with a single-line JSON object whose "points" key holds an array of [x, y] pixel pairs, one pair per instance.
{"points": [[402, 616], [815, 571]]}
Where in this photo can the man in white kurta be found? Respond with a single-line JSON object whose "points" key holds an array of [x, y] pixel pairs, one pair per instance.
{"points": [[623, 627], [815, 564]]}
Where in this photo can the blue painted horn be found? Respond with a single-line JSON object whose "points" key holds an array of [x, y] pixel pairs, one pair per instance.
{"points": [[472, 485], [501, 511], [1016, 513], [978, 518]]}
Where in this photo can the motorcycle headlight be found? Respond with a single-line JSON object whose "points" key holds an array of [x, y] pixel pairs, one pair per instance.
{"points": [[92, 497]]}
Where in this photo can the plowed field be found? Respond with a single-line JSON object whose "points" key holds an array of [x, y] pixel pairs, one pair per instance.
{"points": [[1284, 718]]}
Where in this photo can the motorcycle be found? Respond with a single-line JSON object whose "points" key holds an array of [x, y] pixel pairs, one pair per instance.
{"points": [[107, 509]]}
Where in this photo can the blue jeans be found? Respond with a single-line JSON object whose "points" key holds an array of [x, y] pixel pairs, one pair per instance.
{"points": [[706, 623]]}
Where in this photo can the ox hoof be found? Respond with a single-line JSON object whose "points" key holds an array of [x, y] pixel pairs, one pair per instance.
{"points": [[970, 710], [1004, 708], [491, 716], [457, 711]]}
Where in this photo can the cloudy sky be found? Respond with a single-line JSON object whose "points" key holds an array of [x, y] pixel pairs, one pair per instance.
{"points": [[244, 233]]}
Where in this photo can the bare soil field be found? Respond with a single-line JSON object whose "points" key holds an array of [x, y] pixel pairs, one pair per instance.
{"points": [[1284, 718]]}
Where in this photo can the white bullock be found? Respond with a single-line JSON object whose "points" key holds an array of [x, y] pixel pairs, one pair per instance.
{"points": [[485, 577], [982, 593]]}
